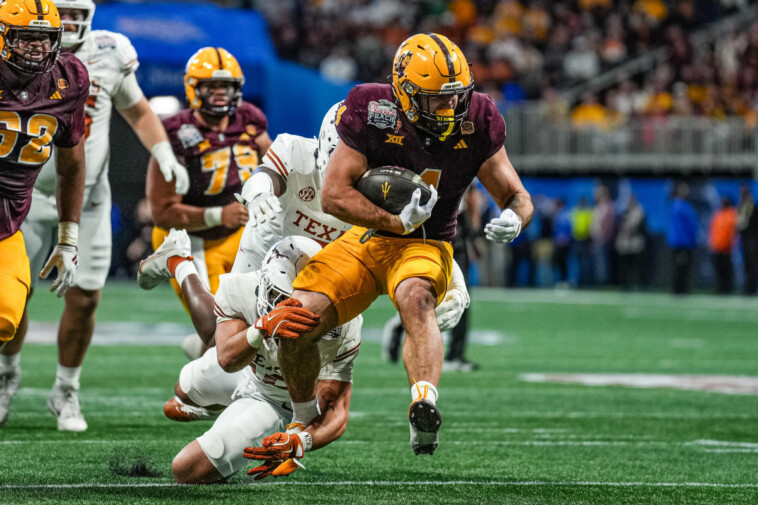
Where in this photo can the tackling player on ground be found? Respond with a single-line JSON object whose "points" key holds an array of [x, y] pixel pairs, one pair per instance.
{"points": [[239, 378], [42, 93], [429, 121], [111, 62]]}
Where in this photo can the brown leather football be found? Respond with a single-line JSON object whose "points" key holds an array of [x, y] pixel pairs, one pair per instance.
{"points": [[391, 187]]}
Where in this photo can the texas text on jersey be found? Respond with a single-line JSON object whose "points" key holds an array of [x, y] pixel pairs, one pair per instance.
{"points": [[47, 110], [372, 124], [218, 162]]}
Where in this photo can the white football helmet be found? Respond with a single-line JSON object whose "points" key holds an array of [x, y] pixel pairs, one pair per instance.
{"points": [[71, 39], [282, 263], [327, 139]]}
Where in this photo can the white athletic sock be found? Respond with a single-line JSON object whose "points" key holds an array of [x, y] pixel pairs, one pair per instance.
{"points": [[305, 412], [11, 361], [68, 376], [184, 270], [424, 389]]}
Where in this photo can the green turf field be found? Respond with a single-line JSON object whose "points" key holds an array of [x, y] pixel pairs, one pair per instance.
{"points": [[503, 439]]}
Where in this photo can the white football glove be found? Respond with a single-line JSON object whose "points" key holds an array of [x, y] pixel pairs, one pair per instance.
{"points": [[170, 166], [503, 229], [64, 259], [414, 214], [451, 309], [259, 198], [264, 206]]}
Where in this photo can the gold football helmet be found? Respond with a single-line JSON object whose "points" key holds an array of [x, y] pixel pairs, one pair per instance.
{"points": [[427, 68], [27, 23], [208, 66]]}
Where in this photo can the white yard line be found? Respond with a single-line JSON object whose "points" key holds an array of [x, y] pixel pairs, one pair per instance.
{"points": [[371, 483]]}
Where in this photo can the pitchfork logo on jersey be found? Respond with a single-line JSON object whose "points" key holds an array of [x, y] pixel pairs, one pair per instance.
{"points": [[307, 194]]}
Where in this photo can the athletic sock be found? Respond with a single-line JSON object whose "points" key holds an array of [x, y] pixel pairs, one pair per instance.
{"points": [[68, 376], [11, 361], [305, 412], [182, 268], [424, 389]]}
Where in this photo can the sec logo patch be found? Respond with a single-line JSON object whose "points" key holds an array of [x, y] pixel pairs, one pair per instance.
{"points": [[307, 194]]}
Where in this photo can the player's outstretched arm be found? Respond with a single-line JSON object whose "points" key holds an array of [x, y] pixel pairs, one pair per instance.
{"points": [[70, 193], [169, 211], [153, 136], [502, 182], [340, 198]]}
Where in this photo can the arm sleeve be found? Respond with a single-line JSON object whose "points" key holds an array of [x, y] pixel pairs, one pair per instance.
{"points": [[127, 55], [279, 155], [128, 92]]}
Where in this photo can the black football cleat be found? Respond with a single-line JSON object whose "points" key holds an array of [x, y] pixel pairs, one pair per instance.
{"points": [[425, 420]]}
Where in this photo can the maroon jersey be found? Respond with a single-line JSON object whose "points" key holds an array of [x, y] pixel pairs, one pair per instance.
{"points": [[218, 163], [373, 124], [47, 110]]}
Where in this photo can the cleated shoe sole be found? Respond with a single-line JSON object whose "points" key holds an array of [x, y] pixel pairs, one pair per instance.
{"points": [[425, 421]]}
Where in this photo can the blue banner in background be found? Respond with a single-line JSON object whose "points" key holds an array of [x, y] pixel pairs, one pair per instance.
{"points": [[165, 35]]}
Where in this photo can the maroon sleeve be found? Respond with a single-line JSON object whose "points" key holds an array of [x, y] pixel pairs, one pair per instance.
{"points": [[495, 126], [171, 124], [77, 74], [351, 123], [255, 117]]}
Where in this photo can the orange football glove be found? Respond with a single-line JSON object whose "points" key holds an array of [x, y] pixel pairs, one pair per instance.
{"points": [[277, 447], [287, 320], [273, 468]]}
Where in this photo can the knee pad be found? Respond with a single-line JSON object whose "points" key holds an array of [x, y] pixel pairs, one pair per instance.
{"points": [[7, 329]]}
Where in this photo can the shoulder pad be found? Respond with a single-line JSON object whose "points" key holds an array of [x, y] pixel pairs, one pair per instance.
{"points": [[122, 48], [291, 153]]}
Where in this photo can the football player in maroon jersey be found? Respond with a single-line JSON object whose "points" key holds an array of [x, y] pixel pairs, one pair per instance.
{"points": [[429, 121], [42, 95]]}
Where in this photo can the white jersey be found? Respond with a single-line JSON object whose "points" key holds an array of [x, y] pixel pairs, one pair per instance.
{"points": [[111, 62], [235, 299], [293, 158]]}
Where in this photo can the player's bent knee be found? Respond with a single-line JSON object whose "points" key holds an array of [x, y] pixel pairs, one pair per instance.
{"points": [[415, 293], [82, 301], [191, 466]]}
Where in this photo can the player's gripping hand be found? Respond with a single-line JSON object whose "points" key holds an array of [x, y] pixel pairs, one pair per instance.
{"points": [[170, 166], [414, 214], [234, 215], [450, 310], [263, 207], [273, 468], [286, 320], [277, 447], [64, 259], [503, 229]]}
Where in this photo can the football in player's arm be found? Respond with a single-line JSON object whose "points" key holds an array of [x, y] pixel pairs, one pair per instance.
{"points": [[220, 140], [429, 121], [32, 72]]}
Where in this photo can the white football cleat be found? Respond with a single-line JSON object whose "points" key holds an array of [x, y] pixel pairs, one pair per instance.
{"points": [[63, 403], [153, 270], [9, 381], [176, 410]]}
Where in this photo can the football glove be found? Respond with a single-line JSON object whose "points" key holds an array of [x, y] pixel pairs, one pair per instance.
{"points": [[450, 310], [277, 447], [273, 468], [64, 259], [503, 229], [263, 207], [286, 320], [170, 166], [414, 214]]}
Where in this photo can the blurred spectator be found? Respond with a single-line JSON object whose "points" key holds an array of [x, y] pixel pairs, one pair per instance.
{"points": [[581, 219], [681, 239], [601, 232], [562, 240], [630, 244], [589, 113], [339, 67], [721, 242], [464, 252], [747, 222]]}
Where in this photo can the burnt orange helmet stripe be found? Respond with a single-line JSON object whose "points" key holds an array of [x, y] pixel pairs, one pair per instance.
{"points": [[446, 53]]}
